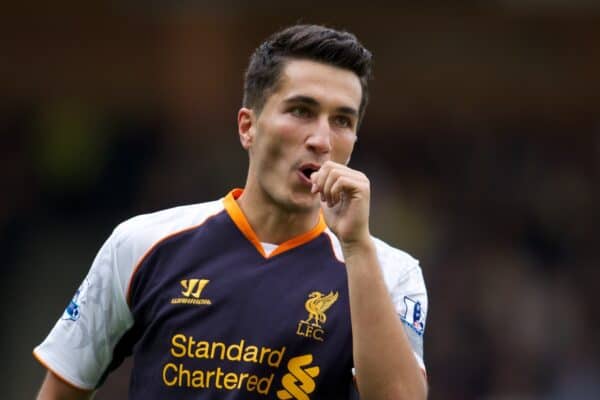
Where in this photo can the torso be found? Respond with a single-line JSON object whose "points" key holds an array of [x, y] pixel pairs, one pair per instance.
{"points": [[216, 318]]}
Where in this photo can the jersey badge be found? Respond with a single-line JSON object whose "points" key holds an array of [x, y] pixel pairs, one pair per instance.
{"points": [[72, 312], [316, 306], [413, 315], [191, 292]]}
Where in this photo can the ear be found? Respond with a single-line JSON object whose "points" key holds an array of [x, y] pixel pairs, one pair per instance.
{"points": [[246, 127]]}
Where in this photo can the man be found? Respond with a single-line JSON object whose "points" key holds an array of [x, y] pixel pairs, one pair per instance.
{"points": [[276, 291]]}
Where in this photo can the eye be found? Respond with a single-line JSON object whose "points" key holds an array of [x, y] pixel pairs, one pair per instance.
{"points": [[342, 121], [300, 112]]}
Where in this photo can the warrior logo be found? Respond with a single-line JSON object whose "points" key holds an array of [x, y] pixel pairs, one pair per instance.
{"points": [[192, 289]]}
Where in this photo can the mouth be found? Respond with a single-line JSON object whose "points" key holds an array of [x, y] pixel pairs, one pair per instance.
{"points": [[306, 170]]}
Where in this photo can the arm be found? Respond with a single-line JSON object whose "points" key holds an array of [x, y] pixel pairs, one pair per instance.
{"points": [[80, 347], [54, 388], [385, 365]]}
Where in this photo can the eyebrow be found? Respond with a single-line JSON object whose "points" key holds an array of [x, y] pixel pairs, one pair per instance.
{"points": [[314, 103]]}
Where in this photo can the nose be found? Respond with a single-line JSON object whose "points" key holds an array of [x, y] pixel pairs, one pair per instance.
{"points": [[319, 139]]}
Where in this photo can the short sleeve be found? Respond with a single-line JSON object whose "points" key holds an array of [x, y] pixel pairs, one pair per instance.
{"points": [[80, 346], [410, 300], [405, 284]]}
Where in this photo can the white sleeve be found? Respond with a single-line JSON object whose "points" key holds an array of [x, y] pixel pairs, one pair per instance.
{"points": [[404, 280], [405, 283], [410, 299], [80, 346]]}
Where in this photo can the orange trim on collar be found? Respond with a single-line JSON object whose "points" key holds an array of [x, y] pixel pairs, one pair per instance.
{"points": [[239, 219]]}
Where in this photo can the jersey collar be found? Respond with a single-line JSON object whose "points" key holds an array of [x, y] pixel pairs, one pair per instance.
{"points": [[239, 219]]}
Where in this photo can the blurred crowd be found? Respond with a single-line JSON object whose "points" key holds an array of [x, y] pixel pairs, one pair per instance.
{"points": [[501, 216], [504, 222]]}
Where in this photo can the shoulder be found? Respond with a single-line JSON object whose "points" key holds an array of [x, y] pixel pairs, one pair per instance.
{"points": [[135, 237], [396, 264], [147, 228], [392, 260], [400, 270]]}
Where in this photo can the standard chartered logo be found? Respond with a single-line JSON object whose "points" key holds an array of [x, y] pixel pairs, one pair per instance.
{"points": [[299, 382], [210, 366]]}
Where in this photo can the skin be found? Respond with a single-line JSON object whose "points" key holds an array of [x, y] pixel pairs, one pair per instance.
{"points": [[311, 119], [279, 205], [53, 388]]}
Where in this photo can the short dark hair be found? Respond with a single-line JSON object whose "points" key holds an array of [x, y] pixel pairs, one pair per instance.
{"points": [[309, 42]]}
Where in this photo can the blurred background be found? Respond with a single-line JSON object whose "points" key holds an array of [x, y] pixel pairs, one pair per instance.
{"points": [[482, 142]]}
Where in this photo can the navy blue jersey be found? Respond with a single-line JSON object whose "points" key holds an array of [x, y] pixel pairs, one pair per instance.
{"points": [[206, 314]]}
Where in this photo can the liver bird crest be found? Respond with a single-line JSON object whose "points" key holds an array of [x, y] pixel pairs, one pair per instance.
{"points": [[317, 304]]}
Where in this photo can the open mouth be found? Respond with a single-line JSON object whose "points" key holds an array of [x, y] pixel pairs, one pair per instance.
{"points": [[307, 170]]}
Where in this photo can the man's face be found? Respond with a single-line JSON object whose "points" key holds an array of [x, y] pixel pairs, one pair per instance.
{"points": [[311, 118]]}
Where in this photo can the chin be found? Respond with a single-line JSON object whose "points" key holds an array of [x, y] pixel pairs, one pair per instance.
{"points": [[302, 202]]}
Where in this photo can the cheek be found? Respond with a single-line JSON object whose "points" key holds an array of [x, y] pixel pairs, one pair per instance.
{"points": [[285, 129], [277, 138], [343, 149]]}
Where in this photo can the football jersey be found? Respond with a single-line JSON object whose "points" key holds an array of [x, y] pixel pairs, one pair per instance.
{"points": [[190, 293]]}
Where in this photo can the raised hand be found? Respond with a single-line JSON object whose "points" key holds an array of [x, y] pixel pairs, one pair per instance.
{"points": [[345, 200]]}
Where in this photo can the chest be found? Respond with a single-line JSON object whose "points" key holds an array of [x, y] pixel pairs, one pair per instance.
{"points": [[230, 291], [215, 319], [212, 303]]}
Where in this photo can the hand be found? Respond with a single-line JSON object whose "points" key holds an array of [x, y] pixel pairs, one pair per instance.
{"points": [[345, 198]]}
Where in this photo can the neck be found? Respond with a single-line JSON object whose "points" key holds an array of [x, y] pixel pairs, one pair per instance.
{"points": [[271, 222]]}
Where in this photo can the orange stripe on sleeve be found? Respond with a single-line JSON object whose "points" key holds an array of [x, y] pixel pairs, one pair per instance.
{"points": [[59, 376]]}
